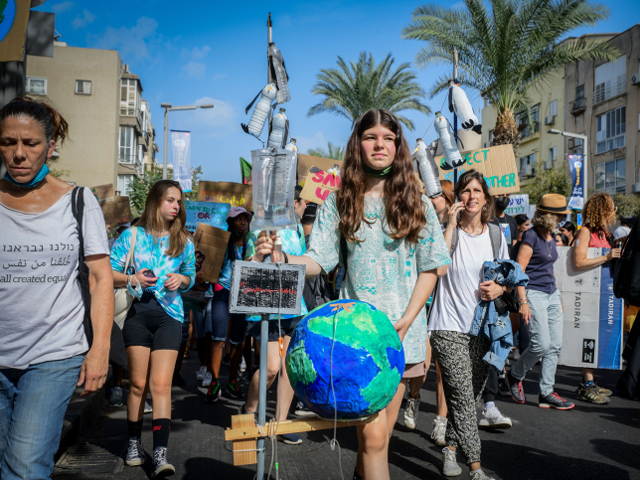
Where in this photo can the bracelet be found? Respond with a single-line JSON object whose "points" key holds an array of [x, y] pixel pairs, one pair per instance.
{"points": [[286, 258], [523, 301]]}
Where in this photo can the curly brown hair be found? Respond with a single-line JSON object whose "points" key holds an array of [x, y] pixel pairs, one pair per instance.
{"points": [[403, 201], [599, 212]]}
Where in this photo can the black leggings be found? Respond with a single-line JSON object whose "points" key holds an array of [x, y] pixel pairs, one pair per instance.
{"points": [[148, 325]]}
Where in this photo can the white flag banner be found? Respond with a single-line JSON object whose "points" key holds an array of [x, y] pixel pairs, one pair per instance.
{"points": [[181, 154]]}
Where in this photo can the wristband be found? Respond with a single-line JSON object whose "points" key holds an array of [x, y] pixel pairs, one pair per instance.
{"points": [[522, 301], [286, 258]]}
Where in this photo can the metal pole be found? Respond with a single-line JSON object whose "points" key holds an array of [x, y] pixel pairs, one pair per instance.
{"points": [[455, 118], [166, 143], [262, 390]]}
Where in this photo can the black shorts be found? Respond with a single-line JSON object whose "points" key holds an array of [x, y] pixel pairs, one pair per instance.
{"points": [[148, 325], [287, 326]]}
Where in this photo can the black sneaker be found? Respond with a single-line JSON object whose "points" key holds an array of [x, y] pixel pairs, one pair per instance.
{"points": [[302, 411], [233, 389], [515, 389], [213, 394], [553, 400]]}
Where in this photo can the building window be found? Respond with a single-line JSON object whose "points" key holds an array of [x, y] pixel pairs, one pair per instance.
{"points": [[553, 108], [610, 80], [610, 177], [127, 145], [37, 85], [124, 182], [83, 87], [553, 154], [129, 97], [534, 119], [610, 130], [527, 165]]}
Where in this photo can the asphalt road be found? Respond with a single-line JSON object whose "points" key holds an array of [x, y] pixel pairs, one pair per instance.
{"points": [[588, 442]]}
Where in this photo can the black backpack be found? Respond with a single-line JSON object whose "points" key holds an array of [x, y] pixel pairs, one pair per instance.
{"points": [[626, 271]]}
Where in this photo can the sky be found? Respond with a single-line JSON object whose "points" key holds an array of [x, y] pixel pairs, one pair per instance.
{"points": [[215, 52]]}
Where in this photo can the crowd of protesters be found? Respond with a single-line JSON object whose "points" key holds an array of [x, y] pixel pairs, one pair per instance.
{"points": [[435, 252]]}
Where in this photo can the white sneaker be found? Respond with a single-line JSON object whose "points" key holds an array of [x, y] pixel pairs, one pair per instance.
{"points": [[201, 372], [494, 419], [243, 366], [208, 378], [450, 467], [411, 412], [439, 429], [479, 475]]}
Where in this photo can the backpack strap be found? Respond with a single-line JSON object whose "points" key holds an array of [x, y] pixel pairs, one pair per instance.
{"points": [[77, 207], [495, 232], [343, 250], [454, 241]]}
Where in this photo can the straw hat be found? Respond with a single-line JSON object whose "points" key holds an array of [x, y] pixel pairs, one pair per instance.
{"points": [[553, 203]]}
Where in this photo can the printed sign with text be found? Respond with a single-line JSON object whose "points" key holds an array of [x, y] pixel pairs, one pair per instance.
{"points": [[209, 213], [518, 204], [319, 185], [235, 194]]}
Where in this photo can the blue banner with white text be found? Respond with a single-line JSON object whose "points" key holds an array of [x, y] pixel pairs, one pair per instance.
{"points": [[576, 165], [181, 154]]}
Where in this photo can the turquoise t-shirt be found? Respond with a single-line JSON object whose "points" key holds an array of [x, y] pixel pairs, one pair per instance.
{"points": [[151, 253], [224, 278], [382, 271], [292, 244]]}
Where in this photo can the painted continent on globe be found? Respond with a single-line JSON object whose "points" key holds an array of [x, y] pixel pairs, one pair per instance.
{"points": [[368, 360]]}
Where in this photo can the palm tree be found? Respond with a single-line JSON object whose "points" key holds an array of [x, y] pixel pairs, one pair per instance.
{"points": [[505, 50], [334, 151], [352, 89]]}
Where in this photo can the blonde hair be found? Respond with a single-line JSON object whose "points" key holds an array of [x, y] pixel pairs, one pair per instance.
{"points": [[545, 221]]}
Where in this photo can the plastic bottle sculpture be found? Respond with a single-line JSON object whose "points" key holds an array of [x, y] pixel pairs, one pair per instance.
{"points": [[261, 112], [459, 103], [292, 146], [427, 168], [279, 130], [278, 73], [452, 158]]}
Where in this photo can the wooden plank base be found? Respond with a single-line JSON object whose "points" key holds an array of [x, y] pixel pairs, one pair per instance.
{"points": [[240, 457]]}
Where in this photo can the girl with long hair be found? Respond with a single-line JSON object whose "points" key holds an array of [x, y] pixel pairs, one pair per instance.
{"points": [[459, 353], [394, 248], [164, 263], [599, 212]]}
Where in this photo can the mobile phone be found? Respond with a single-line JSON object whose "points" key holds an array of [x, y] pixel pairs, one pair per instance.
{"points": [[149, 273]]}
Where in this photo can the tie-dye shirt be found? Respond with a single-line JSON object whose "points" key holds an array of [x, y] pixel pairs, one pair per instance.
{"points": [[224, 278], [151, 253], [292, 244], [382, 271]]}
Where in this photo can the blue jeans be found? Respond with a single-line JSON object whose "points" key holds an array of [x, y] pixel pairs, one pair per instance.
{"points": [[545, 330], [32, 407]]}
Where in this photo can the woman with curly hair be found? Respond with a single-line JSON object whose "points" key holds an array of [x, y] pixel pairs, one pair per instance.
{"points": [[540, 305], [599, 212], [394, 246]]}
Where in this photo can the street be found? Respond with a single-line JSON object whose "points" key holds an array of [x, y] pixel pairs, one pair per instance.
{"points": [[588, 442]]}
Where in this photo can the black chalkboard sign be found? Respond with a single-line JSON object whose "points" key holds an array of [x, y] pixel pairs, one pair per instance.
{"points": [[262, 288]]}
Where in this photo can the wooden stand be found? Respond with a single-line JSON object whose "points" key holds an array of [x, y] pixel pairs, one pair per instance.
{"points": [[244, 432]]}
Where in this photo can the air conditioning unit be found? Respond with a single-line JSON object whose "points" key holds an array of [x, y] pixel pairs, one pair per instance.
{"points": [[635, 79], [549, 120], [635, 188]]}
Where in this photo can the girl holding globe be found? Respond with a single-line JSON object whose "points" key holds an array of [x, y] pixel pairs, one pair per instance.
{"points": [[394, 246]]}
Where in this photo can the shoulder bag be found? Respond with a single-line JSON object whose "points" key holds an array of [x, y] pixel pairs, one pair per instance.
{"points": [[123, 299]]}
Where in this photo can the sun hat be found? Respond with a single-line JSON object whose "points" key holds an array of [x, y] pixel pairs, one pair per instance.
{"points": [[235, 211], [621, 232], [553, 203]]}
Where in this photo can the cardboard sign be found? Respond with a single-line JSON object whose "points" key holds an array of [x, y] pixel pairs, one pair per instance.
{"points": [[193, 299], [116, 212], [263, 288], [235, 194], [211, 246], [319, 185], [104, 193], [209, 213], [13, 30], [308, 164], [497, 164], [518, 204], [593, 316]]}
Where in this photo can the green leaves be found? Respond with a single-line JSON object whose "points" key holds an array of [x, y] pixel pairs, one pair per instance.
{"points": [[353, 88]]}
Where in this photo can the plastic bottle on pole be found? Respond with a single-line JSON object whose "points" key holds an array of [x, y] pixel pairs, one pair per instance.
{"points": [[276, 63], [261, 112], [452, 158], [428, 169], [459, 103], [277, 135]]}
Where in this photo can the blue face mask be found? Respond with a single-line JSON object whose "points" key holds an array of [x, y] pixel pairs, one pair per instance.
{"points": [[44, 171]]}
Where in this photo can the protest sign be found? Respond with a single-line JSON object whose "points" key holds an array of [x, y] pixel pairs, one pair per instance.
{"points": [[209, 213], [116, 212], [593, 316], [319, 185], [211, 246], [193, 299], [518, 204], [266, 288], [497, 164], [104, 193], [13, 30], [309, 164], [235, 194]]}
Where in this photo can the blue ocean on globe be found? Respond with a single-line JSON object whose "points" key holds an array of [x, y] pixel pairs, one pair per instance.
{"points": [[7, 15], [366, 354]]}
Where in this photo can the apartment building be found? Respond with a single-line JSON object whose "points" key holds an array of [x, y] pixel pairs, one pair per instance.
{"points": [[603, 102], [538, 148], [111, 134]]}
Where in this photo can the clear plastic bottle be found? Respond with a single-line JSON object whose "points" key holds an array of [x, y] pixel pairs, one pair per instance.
{"points": [[278, 70], [261, 112], [277, 250], [278, 130], [452, 157], [427, 169]]}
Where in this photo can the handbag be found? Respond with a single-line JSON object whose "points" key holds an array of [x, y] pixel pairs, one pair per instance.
{"points": [[123, 299], [506, 303]]}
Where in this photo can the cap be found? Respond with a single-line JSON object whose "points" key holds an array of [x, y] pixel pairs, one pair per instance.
{"points": [[621, 232], [235, 211]]}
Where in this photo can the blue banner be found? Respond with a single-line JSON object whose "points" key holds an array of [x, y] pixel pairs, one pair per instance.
{"points": [[611, 319], [209, 213], [576, 165], [181, 154]]}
